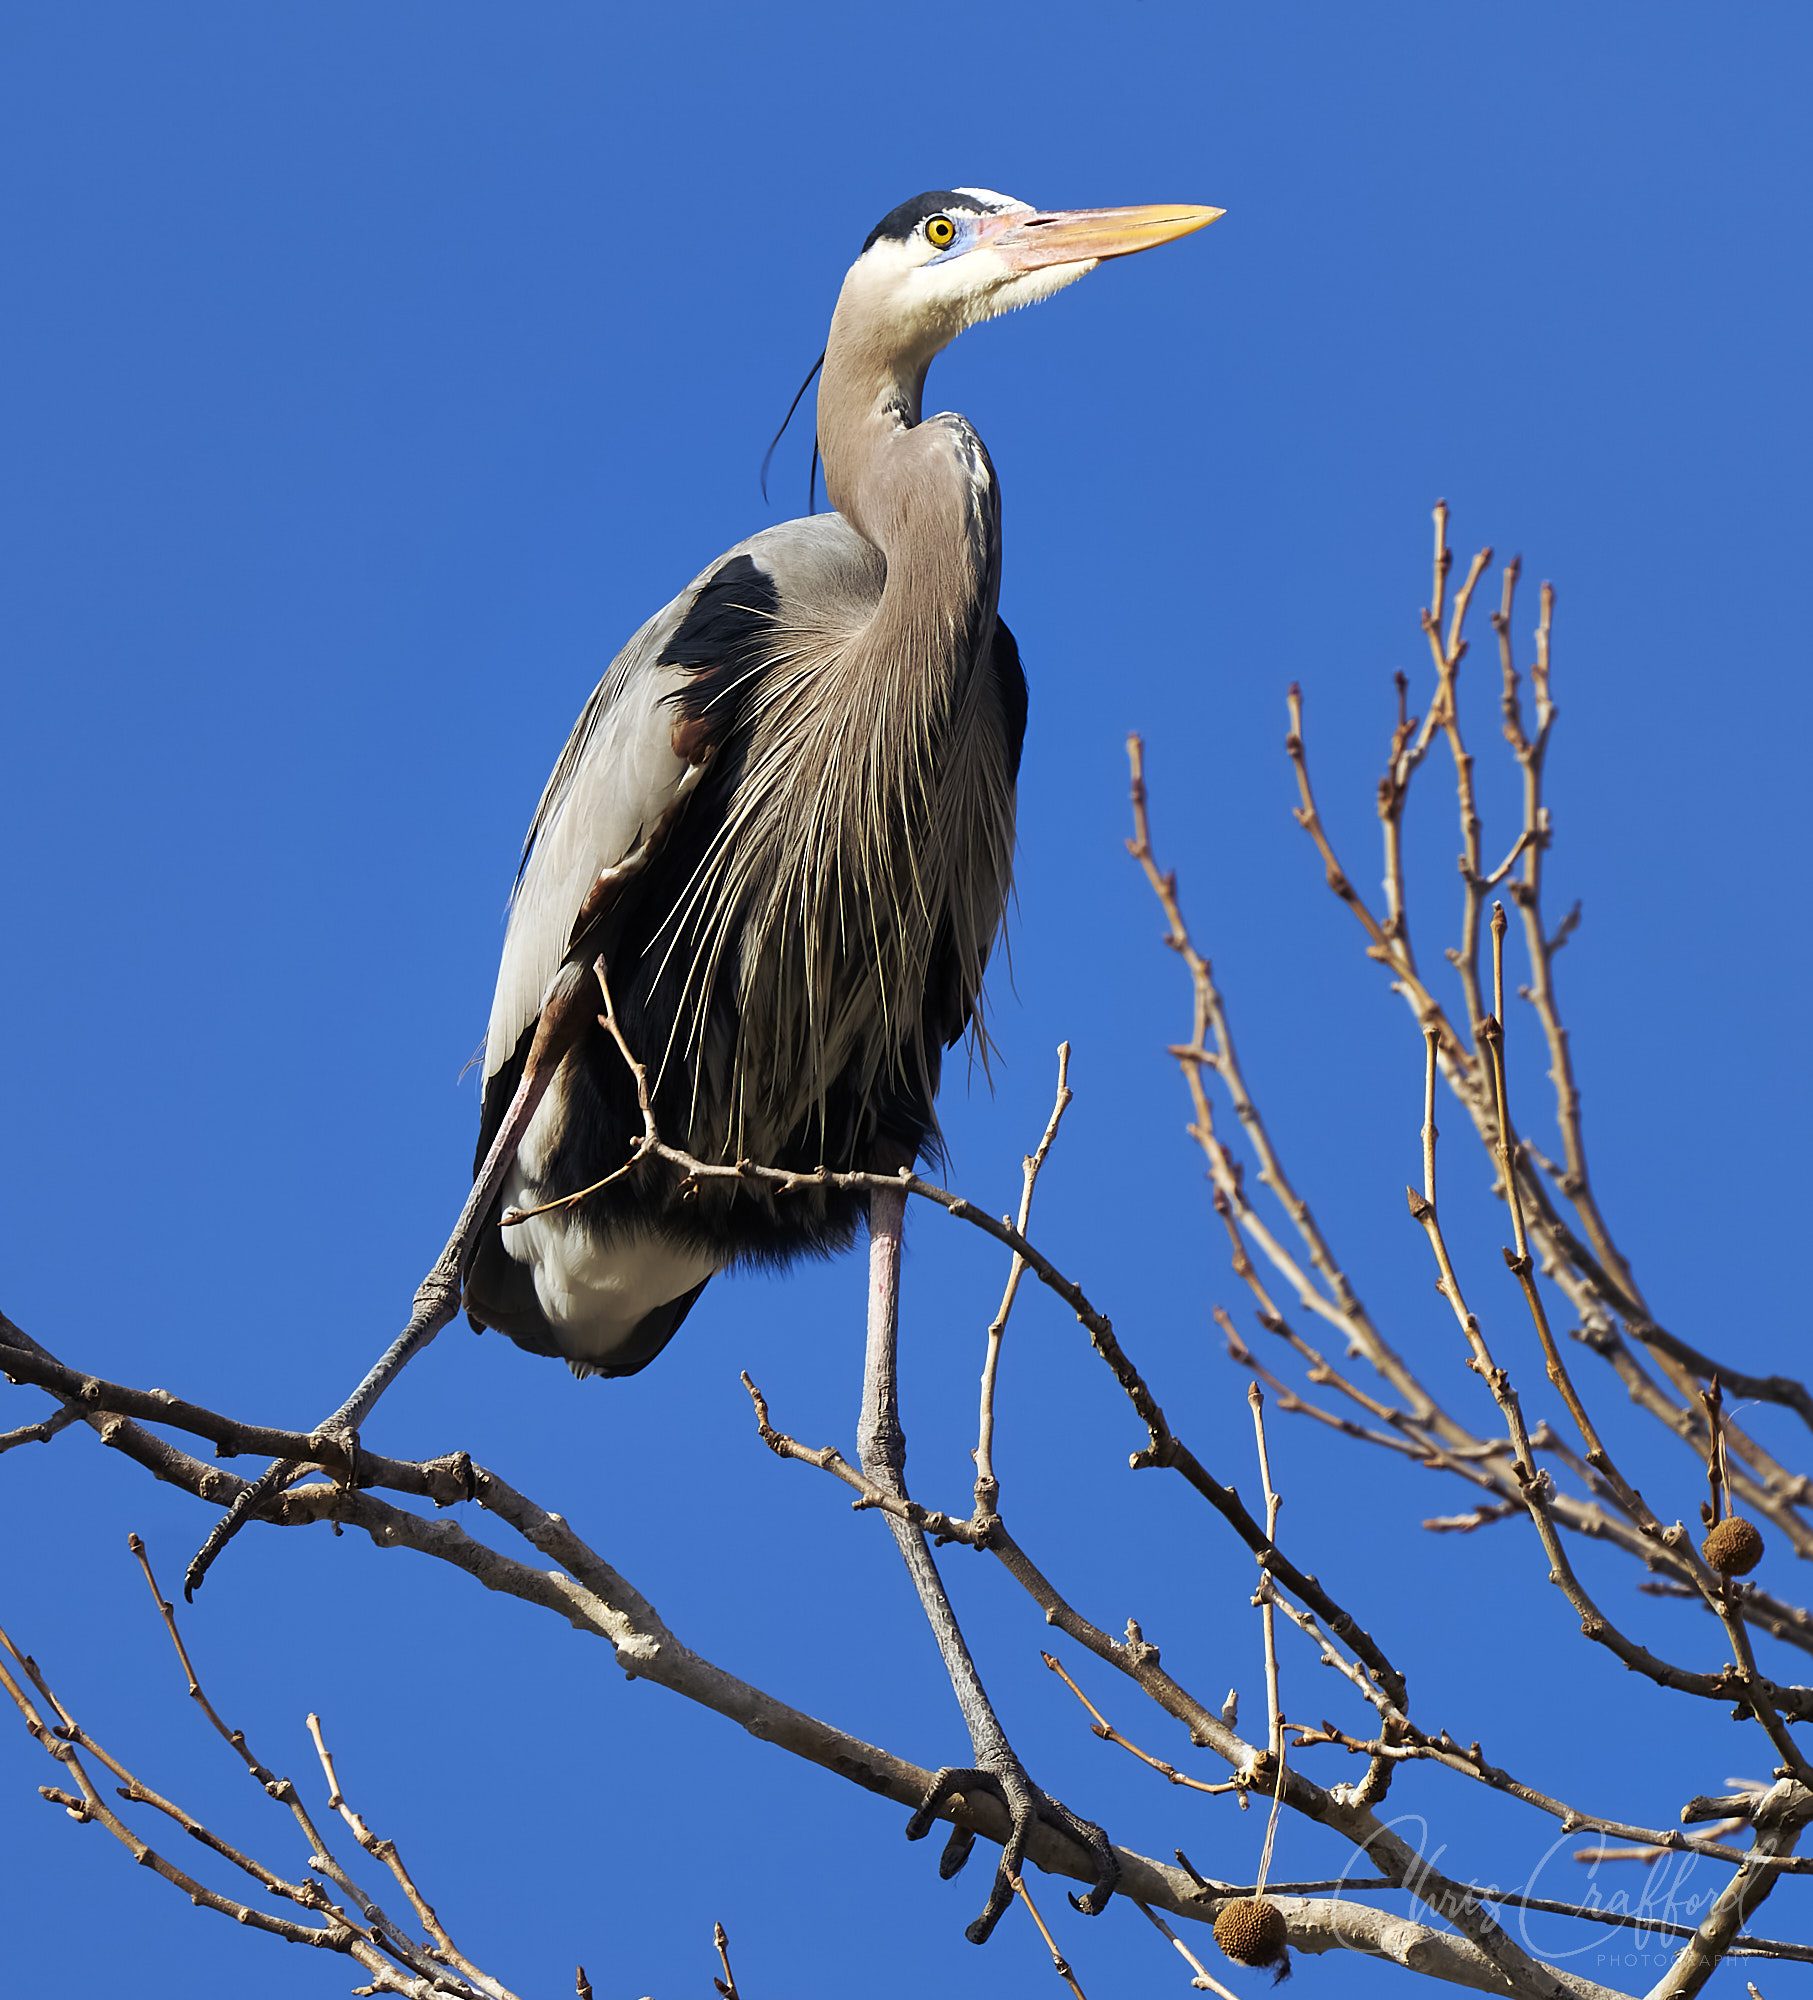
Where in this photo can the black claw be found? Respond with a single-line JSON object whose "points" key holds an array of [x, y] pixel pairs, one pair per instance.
{"points": [[1092, 1902], [1095, 1899], [1024, 1804]]}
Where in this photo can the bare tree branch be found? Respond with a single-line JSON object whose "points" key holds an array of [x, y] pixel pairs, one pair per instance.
{"points": [[1565, 1474]]}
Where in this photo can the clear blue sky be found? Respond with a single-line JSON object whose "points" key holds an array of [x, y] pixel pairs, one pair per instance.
{"points": [[372, 371]]}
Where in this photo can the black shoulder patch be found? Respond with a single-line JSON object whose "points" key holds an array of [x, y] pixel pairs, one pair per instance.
{"points": [[736, 597], [724, 640], [1010, 678], [899, 223]]}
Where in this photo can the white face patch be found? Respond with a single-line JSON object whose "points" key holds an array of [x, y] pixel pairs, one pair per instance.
{"points": [[927, 296], [992, 203], [1027, 288]]}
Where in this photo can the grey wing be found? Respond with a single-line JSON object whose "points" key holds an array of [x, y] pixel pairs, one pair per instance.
{"points": [[619, 770], [617, 773]]}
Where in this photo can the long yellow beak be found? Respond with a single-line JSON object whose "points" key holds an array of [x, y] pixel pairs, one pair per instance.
{"points": [[1085, 235]]}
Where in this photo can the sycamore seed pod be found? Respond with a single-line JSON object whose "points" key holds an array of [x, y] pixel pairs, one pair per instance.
{"points": [[1251, 1931], [1734, 1547]]}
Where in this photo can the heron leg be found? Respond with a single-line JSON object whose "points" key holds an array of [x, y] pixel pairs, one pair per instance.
{"points": [[881, 1447], [570, 1001]]}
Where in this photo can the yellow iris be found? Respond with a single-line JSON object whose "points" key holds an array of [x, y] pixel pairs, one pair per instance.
{"points": [[941, 232]]}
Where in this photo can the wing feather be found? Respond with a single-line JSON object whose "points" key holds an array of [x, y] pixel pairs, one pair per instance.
{"points": [[614, 778], [619, 770]]}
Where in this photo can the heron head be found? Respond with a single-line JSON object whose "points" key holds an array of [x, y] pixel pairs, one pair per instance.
{"points": [[957, 256]]}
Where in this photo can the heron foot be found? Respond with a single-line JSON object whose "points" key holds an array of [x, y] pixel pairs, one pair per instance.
{"points": [[436, 1301], [251, 1499], [1003, 1778]]}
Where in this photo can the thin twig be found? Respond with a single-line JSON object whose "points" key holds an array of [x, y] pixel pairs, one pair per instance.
{"points": [[726, 1983], [1202, 1979], [988, 1486], [1060, 1964], [1102, 1727], [42, 1431], [1264, 1597]]}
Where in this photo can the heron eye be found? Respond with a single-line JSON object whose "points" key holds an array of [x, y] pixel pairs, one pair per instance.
{"points": [[941, 232]]}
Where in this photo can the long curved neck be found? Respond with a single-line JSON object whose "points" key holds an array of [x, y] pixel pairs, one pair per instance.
{"points": [[869, 397], [923, 495]]}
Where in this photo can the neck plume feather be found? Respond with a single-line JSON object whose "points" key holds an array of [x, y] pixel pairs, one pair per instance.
{"points": [[855, 891]]}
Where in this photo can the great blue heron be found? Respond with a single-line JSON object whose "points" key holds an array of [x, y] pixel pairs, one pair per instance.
{"points": [[785, 825]]}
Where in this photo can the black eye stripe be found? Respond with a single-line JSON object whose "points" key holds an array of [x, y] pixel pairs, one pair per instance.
{"points": [[900, 223]]}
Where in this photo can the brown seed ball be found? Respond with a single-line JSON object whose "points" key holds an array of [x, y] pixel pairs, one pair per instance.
{"points": [[1251, 1931], [1734, 1547]]}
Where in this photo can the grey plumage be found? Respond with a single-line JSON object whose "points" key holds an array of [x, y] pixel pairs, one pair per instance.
{"points": [[784, 823], [813, 938], [813, 932]]}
